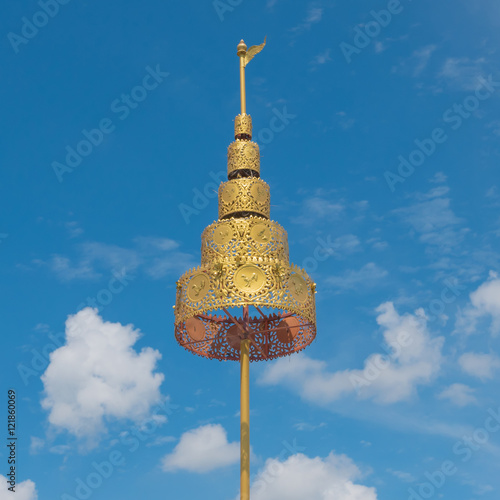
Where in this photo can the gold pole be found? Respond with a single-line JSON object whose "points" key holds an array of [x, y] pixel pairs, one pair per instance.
{"points": [[245, 414], [242, 51]]}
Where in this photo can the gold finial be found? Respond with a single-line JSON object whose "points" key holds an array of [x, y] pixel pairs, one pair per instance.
{"points": [[245, 57], [242, 48]]}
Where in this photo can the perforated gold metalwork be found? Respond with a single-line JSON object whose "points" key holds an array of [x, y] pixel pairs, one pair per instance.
{"points": [[244, 263], [241, 238], [243, 125], [243, 155], [249, 194], [224, 286], [259, 281]]}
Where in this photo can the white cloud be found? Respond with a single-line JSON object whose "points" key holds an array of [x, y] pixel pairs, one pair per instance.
{"points": [[346, 123], [404, 476], [340, 246], [438, 178], [305, 426], [73, 228], [415, 360], [36, 444], [422, 57], [479, 365], [492, 192], [173, 263], [202, 450], [148, 242], [60, 449], [314, 15], [161, 440], [97, 375], [459, 395], [156, 256], [300, 477], [321, 58], [26, 490], [65, 270], [434, 220], [377, 243], [369, 275], [110, 256], [317, 207], [484, 304], [463, 73]]}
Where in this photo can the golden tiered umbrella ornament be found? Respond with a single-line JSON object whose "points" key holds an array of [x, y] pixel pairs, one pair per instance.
{"points": [[244, 263]]}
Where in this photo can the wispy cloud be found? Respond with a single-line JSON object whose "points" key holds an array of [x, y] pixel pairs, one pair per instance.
{"points": [[368, 276], [36, 444], [459, 394], [314, 15], [65, 270], [380, 47], [422, 57], [433, 220], [416, 63], [318, 207], [157, 257], [403, 476], [480, 365], [462, 73], [320, 59], [345, 121], [305, 426], [74, 229]]}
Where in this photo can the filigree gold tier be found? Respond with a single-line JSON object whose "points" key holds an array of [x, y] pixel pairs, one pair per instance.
{"points": [[250, 195], [243, 155], [256, 281], [261, 282], [243, 126], [240, 238]]}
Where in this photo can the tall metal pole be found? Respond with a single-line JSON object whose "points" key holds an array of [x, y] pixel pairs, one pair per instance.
{"points": [[245, 413], [245, 341], [245, 345], [242, 50]]}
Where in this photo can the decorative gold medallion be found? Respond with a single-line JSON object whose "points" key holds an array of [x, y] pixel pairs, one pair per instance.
{"points": [[298, 287], [198, 287], [260, 233], [223, 234], [259, 193], [229, 192], [251, 150], [249, 278]]}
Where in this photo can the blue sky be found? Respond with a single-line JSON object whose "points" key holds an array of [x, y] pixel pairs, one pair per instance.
{"points": [[386, 160]]}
